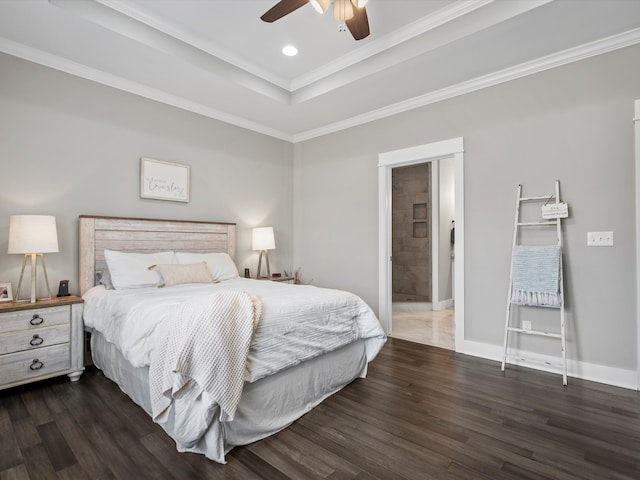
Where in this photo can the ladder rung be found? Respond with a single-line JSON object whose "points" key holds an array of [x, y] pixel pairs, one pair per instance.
{"points": [[538, 362], [538, 306], [544, 197], [535, 332], [528, 224]]}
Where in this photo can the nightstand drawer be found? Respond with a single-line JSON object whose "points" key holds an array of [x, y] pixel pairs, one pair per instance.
{"points": [[36, 363], [33, 318], [34, 338]]}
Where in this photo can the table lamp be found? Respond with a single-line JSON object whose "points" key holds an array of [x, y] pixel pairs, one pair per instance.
{"points": [[263, 240], [33, 236]]}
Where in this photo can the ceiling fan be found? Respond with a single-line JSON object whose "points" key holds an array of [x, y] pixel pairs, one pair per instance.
{"points": [[352, 12]]}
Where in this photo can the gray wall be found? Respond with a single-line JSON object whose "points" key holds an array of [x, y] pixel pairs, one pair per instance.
{"points": [[70, 146], [572, 123]]}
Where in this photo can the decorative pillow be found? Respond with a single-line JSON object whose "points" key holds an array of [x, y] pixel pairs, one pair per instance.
{"points": [[220, 265], [176, 274], [131, 270]]}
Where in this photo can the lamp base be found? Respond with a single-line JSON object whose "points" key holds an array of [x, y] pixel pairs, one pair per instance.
{"points": [[266, 257], [34, 264]]}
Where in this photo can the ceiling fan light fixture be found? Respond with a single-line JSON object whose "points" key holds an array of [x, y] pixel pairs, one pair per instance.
{"points": [[321, 6], [343, 10]]}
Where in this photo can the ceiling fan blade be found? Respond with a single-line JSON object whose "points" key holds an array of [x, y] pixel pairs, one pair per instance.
{"points": [[358, 25], [282, 8]]}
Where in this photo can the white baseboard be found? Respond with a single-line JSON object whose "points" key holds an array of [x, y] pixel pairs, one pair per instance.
{"points": [[617, 377], [410, 306], [443, 305]]}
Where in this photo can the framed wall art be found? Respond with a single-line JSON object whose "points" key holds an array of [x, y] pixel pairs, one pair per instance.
{"points": [[6, 295], [164, 180]]}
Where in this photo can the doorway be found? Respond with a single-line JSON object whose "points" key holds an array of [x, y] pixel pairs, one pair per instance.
{"points": [[411, 234], [452, 148], [423, 219]]}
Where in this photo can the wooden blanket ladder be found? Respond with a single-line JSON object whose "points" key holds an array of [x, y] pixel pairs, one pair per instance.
{"points": [[511, 329]]}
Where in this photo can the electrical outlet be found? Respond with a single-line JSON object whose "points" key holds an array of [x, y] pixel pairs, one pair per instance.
{"points": [[526, 325], [600, 239]]}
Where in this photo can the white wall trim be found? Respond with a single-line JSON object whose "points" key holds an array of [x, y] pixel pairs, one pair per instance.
{"points": [[435, 232], [587, 371], [636, 121], [443, 304], [430, 22], [114, 81], [416, 306], [411, 306], [453, 147], [548, 62]]}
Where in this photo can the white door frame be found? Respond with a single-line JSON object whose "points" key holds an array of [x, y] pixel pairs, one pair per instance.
{"points": [[636, 122], [435, 235], [453, 147]]}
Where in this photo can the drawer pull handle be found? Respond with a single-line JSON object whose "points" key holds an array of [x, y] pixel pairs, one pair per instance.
{"points": [[36, 364], [36, 320], [36, 340]]}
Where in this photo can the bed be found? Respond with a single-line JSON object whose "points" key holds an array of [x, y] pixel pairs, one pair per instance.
{"points": [[302, 345]]}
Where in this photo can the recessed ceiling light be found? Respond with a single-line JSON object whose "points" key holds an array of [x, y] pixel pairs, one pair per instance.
{"points": [[290, 51]]}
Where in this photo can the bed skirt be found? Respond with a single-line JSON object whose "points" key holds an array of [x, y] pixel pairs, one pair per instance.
{"points": [[266, 406]]}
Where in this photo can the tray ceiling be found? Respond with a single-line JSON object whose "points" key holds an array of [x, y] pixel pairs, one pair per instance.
{"points": [[218, 59]]}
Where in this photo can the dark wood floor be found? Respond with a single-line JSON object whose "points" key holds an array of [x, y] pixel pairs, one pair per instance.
{"points": [[422, 413]]}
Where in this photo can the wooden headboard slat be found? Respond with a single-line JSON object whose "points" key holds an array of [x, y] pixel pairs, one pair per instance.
{"points": [[145, 225], [146, 236]]}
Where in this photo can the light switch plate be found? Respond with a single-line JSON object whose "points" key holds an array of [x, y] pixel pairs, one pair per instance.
{"points": [[600, 239]]}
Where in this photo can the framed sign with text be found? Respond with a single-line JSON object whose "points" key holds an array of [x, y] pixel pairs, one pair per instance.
{"points": [[164, 180]]}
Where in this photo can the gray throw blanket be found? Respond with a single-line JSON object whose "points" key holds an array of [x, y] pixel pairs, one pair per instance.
{"points": [[536, 276]]}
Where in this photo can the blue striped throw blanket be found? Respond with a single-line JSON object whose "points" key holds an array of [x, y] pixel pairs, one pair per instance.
{"points": [[536, 276]]}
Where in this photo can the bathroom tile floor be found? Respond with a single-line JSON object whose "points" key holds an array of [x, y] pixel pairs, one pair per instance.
{"points": [[425, 326]]}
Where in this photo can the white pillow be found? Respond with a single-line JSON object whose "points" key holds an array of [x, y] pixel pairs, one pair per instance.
{"points": [[131, 270], [178, 274], [220, 265]]}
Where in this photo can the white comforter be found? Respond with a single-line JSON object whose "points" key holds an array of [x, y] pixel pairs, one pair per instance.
{"points": [[299, 322]]}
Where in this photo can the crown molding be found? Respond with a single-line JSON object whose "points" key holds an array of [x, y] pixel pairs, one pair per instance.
{"points": [[179, 33], [447, 14], [440, 17], [615, 42], [103, 13], [598, 47], [114, 81]]}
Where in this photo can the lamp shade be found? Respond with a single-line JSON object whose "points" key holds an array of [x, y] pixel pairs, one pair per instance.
{"points": [[32, 234], [321, 6], [342, 10], [263, 239]]}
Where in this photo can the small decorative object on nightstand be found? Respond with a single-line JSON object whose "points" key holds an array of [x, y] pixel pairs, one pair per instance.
{"points": [[40, 340], [63, 289], [5, 292], [278, 277]]}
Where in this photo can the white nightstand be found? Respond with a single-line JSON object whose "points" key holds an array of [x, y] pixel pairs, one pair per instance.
{"points": [[40, 340]]}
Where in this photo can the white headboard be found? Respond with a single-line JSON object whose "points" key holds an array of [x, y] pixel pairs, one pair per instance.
{"points": [[145, 235]]}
